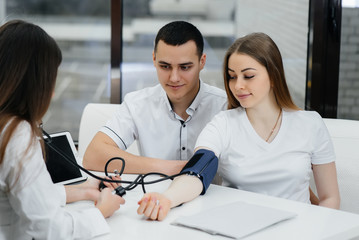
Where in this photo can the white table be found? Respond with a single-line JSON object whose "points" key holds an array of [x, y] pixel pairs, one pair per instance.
{"points": [[311, 222]]}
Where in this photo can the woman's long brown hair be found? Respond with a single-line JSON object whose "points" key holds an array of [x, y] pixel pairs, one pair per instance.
{"points": [[29, 59]]}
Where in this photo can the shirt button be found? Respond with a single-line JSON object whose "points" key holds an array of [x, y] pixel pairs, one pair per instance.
{"points": [[184, 125], [183, 148]]}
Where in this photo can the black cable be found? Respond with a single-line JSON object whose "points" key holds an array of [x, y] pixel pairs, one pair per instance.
{"points": [[119, 190]]}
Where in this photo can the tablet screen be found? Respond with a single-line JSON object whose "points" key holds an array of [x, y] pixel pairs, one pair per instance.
{"points": [[61, 171]]}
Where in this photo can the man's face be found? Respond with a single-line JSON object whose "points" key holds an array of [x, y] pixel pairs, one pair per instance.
{"points": [[178, 70]]}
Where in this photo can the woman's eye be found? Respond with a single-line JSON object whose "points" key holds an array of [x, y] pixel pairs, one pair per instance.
{"points": [[249, 77], [232, 77]]}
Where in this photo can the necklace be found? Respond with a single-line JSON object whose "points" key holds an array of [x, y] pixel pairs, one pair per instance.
{"points": [[275, 125]]}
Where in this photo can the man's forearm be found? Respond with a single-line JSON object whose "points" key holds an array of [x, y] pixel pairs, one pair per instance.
{"points": [[96, 157]]}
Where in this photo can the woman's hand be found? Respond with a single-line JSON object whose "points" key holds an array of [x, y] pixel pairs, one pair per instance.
{"points": [[88, 190], [182, 189], [113, 185], [154, 206], [91, 187], [108, 202]]}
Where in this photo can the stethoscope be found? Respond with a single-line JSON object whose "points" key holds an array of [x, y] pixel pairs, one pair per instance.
{"points": [[120, 190]]}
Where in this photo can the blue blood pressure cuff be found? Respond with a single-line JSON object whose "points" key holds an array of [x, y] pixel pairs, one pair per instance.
{"points": [[204, 165]]}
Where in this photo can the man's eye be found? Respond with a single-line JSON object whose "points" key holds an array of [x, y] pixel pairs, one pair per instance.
{"points": [[185, 68], [165, 66]]}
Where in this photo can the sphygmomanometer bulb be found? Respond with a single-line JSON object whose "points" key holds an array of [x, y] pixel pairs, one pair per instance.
{"points": [[120, 191]]}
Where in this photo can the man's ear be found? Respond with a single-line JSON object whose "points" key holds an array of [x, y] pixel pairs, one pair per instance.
{"points": [[154, 58], [202, 61]]}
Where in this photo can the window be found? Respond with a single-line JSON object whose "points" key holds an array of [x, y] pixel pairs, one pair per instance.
{"points": [[82, 30], [220, 25]]}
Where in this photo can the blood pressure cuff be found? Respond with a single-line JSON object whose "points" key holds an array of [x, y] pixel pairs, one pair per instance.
{"points": [[204, 165]]}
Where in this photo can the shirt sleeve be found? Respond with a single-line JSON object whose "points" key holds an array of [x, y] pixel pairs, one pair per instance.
{"points": [[212, 136], [323, 146], [121, 128], [39, 203]]}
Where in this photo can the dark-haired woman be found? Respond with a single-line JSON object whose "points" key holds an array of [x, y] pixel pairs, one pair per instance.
{"points": [[31, 206]]}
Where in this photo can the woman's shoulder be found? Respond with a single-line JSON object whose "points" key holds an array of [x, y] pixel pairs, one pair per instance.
{"points": [[230, 114], [307, 118], [19, 142], [22, 135], [23, 129], [303, 114]]}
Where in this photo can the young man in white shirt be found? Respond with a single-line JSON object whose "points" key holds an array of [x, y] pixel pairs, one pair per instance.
{"points": [[165, 119]]}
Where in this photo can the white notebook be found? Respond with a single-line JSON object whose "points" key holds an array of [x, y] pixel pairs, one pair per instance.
{"points": [[235, 220]]}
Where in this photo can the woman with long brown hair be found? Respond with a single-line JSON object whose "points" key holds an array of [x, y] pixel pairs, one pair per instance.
{"points": [[31, 205]]}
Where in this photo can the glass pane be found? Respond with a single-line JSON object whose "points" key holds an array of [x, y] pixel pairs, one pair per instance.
{"points": [[82, 30], [348, 94], [220, 22]]}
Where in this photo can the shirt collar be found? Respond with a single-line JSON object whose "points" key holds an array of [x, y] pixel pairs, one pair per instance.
{"points": [[195, 103], [197, 100], [165, 99]]}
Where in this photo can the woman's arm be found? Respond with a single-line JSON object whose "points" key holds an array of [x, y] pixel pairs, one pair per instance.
{"points": [[202, 168], [183, 189], [104, 200], [325, 176]]}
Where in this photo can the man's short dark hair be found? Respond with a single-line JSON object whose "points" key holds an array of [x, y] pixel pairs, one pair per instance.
{"points": [[179, 32]]}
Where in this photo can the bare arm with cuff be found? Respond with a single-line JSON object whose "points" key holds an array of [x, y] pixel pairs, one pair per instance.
{"points": [[200, 169]]}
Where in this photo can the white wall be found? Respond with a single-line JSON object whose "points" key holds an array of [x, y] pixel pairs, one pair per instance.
{"points": [[286, 22], [2, 11], [348, 94]]}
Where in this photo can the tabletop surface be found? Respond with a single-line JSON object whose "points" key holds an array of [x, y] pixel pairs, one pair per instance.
{"points": [[311, 222]]}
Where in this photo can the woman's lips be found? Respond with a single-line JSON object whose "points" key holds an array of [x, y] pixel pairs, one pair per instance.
{"points": [[243, 96]]}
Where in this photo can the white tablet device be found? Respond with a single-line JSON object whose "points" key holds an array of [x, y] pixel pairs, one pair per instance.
{"points": [[61, 171]]}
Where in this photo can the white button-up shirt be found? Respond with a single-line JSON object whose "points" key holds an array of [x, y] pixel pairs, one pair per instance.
{"points": [[147, 116]]}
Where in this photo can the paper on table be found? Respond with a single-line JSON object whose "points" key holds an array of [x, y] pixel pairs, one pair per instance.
{"points": [[234, 220]]}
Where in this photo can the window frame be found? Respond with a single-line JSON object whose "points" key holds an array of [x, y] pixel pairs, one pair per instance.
{"points": [[323, 57]]}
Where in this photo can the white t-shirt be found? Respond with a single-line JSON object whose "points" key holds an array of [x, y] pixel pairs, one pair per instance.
{"points": [[34, 206], [147, 116], [280, 168]]}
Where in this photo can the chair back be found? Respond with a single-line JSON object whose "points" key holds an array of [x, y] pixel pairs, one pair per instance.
{"points": [[94, 116], [345, 137]]}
